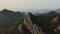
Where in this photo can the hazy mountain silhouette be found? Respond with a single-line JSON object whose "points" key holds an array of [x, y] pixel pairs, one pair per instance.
{"points": [[38, 12], [8, 17], [58, 10]]}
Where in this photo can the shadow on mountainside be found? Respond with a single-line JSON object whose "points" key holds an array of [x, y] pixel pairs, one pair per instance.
{"points": [[18, 23]]}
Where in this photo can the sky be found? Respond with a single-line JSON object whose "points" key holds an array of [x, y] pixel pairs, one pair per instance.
{"points": [[29, 4]]}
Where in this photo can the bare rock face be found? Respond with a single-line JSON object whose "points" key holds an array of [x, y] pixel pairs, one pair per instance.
{"points": [[27, 26], [34, 29]]}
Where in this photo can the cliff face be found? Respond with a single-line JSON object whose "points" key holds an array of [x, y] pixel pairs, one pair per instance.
{"points": [[31, 24], [24, 26], [33, 28], [51, 19], [47, 22]]}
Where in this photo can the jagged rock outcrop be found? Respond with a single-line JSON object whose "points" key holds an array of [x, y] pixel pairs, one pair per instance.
{"points": [[30, 24], [28, 27], [34, 29]]}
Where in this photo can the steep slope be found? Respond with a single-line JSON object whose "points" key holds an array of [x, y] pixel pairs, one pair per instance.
{"points": [[8, 17], [18, 23], [48, 22]]}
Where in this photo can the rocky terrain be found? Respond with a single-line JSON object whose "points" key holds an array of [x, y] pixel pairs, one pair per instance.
{"points": [[19, 23]]}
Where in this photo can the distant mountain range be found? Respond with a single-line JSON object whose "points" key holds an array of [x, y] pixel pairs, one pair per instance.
{"points": [[8, 17], [44, 11], [46, 18], [57, 10]]}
